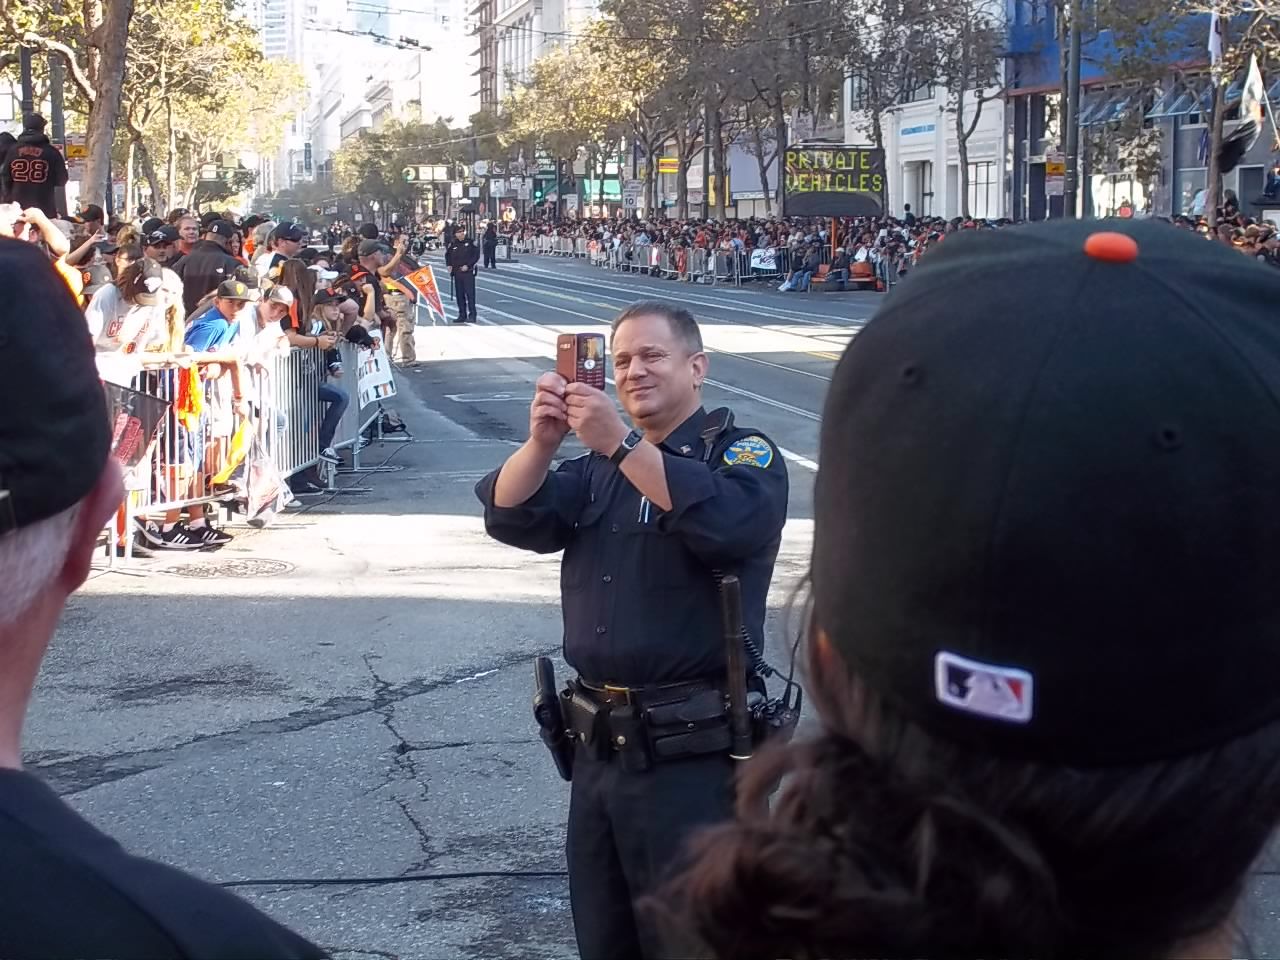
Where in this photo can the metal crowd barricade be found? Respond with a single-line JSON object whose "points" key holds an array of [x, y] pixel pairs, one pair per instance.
{"points": [[294, 438], [724, 268], [580, 247], [698, 271]]}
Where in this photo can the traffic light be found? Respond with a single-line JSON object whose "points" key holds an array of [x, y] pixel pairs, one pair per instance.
{"points": [[537, 194]]}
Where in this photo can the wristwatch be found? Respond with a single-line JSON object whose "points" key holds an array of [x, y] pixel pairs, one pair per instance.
{"points": [[628, 444]]}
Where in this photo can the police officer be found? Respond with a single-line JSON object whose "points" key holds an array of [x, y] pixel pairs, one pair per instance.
{"points": [[645, 520], [461, 259]]}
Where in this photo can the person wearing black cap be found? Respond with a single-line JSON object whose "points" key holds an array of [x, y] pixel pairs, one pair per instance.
{"points": [[1045, 625], [283, 243], [33, 169], [647, 520], [461, 259], [59, 486], [208, 264]]}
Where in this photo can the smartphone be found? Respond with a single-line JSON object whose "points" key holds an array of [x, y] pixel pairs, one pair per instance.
{"points": [[580, 357]]}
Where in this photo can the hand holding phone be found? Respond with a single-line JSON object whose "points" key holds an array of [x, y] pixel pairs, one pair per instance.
{"points": [[580, 358]]}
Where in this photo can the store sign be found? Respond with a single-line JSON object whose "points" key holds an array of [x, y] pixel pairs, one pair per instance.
{"points": [[918, 129], [834, 181]]}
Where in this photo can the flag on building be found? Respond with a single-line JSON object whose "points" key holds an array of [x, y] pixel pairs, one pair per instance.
{"points": [[1241, 140], [1215, 38]]}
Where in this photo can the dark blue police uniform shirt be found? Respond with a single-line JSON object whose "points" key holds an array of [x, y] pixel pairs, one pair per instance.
{"points": [[638, 593]]}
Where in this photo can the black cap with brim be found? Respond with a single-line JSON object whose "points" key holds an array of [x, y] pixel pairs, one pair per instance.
{"points": [[1048, 521], [54, 436]]}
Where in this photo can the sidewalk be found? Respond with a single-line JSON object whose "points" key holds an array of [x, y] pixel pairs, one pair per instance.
{"points": [[345, 694]]}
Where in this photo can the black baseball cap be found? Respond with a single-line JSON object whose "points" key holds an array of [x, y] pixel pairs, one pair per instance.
{"points": [[93, 212], [234, 290], [289, 231], [54, 442], [162, 236], [153, 224], [369, 247], [328, 295], [208, 218], [221, 228], [1049, 522], [368, 230]]}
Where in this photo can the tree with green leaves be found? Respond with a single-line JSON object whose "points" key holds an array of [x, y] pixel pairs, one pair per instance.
{"points": [[92, 40]]}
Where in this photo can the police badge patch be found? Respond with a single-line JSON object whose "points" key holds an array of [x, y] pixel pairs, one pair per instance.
{"points": [[750, 451]]}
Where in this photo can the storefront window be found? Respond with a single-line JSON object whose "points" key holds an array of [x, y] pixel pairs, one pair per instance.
{"points": [[983, 197]]}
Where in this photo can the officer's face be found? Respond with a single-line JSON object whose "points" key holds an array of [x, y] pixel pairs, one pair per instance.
{"points": [[656, 375]]}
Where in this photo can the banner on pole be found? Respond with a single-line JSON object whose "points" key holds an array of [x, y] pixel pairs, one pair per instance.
{"points": [[423, 280]]}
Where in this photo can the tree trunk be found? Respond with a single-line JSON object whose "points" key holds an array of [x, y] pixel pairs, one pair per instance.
{"points": [[780, 138], [1213, 179], [651, 204], [758, 142], [682, 173], [171, 149], [159, 201], [108, 40], [718, 164], [128, 178]]}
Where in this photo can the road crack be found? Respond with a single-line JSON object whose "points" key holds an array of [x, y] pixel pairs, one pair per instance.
{"points": [[404, 764]]}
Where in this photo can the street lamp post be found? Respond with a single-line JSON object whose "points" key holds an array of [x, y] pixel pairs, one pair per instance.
{"points": [[1071, 184]]}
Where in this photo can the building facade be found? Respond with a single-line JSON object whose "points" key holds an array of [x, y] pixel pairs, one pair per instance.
{"points": [[922, 151], [1144, 147]]}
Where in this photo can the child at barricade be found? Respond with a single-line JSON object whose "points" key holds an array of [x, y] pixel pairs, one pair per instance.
{"points": [[326, 318], [187, 450]]}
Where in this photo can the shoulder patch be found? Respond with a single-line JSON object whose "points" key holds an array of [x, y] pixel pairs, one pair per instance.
{"points": [[752, 451]]}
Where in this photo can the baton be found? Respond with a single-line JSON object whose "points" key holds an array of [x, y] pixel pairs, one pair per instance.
{"points": [[731, 616]]}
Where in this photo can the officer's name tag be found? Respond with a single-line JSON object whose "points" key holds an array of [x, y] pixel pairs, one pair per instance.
{"points": [[750, 451]]}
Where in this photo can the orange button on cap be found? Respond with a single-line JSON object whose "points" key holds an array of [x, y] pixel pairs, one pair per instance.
{"points": [[1112, 247]]}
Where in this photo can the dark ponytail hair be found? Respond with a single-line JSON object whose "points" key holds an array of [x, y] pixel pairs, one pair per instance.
{"points": [[886, 841]]}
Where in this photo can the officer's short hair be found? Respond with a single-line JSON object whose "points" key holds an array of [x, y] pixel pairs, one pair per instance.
{"points": [[681, 320]]}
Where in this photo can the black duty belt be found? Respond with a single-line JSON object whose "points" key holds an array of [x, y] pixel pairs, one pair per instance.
{"points": [[618, 696], [646, 725]]}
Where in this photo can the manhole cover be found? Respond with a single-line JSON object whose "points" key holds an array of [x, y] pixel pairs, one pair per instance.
{"points": [[238, 568]]}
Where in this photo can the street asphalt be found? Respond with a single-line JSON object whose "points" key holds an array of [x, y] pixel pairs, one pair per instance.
{"points": [[334, 714]]}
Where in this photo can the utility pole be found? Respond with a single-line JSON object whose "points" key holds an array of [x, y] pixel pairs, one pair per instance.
{"points": [[706, 159], [1071, 185], [57, 123], [28, 92], [57, 118]]}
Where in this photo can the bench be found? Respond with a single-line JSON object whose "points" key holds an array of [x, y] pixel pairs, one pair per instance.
{"points": [[860, 274]]}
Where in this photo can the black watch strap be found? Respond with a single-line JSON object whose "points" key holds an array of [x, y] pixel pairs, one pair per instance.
{"points": [[631, 441]]}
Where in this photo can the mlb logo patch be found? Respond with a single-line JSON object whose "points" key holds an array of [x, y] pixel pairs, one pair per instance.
{"points": [[986, 689]]}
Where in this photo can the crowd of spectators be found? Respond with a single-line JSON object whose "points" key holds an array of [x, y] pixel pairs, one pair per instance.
{"points": [[204, 303], [891, 245]]}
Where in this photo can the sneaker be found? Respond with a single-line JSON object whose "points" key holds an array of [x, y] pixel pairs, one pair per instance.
{"points": [[181, 537], [149, 530], [330, 455], [211, 536]]}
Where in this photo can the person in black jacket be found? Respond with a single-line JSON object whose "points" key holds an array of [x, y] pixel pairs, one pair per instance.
{"points": [[33, 169], [207, 265], [461, 259], [489, 244]]}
